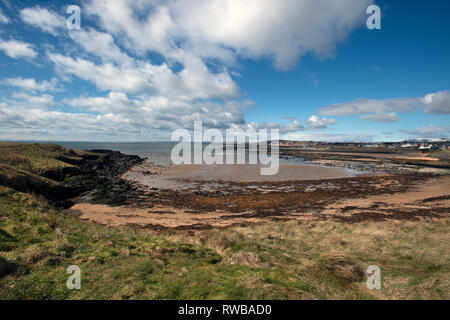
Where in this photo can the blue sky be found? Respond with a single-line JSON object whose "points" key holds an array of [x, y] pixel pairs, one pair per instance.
{"points": [[137, 70]]}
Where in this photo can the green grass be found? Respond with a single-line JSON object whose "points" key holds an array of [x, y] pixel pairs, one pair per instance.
{"points": [[43, 242], [38, 167], [38, 158]]}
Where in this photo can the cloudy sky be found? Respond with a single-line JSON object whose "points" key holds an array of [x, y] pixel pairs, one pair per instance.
{"points": [[139, 69]]}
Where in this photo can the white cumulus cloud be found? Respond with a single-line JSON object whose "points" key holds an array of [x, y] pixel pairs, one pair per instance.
{"points": [[32, 101], [366, 106], [384, 110], [284, 30], [438, 102], [17, 49], [320, 123], [195, 81], [46, 20], [381, 117], [32, 84], [293, 126], [430, 131], [100, 44]]}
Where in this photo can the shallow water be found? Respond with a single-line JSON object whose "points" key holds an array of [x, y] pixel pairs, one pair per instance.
{"points": [[252, 173], [156, 152]]}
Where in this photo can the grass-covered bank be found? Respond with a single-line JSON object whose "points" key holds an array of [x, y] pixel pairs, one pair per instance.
{"points": [[274, 260], [60, 173]]}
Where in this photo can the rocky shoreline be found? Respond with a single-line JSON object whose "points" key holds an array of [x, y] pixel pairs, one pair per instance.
{"points": [[97, 180]]}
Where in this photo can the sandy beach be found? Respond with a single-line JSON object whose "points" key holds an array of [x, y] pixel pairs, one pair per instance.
{"points": [[356, 200]]}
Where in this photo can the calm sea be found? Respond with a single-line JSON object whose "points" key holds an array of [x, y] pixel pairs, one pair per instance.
{"points": [[157, 152]]}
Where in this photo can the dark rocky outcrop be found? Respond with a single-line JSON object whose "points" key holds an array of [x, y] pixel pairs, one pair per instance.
{"points": [[93, 176], [100, 177]]}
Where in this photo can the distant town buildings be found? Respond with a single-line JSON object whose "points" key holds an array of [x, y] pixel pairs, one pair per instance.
{"points": [[416, 145]]}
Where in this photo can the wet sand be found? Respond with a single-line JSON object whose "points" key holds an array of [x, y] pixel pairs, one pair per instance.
{"points": [[158, 217], [251, 173], [190, 176]]}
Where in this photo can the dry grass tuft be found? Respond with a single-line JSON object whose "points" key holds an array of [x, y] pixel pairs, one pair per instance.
{"points": [[342, 268], [37, 255], [249, 259]]}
